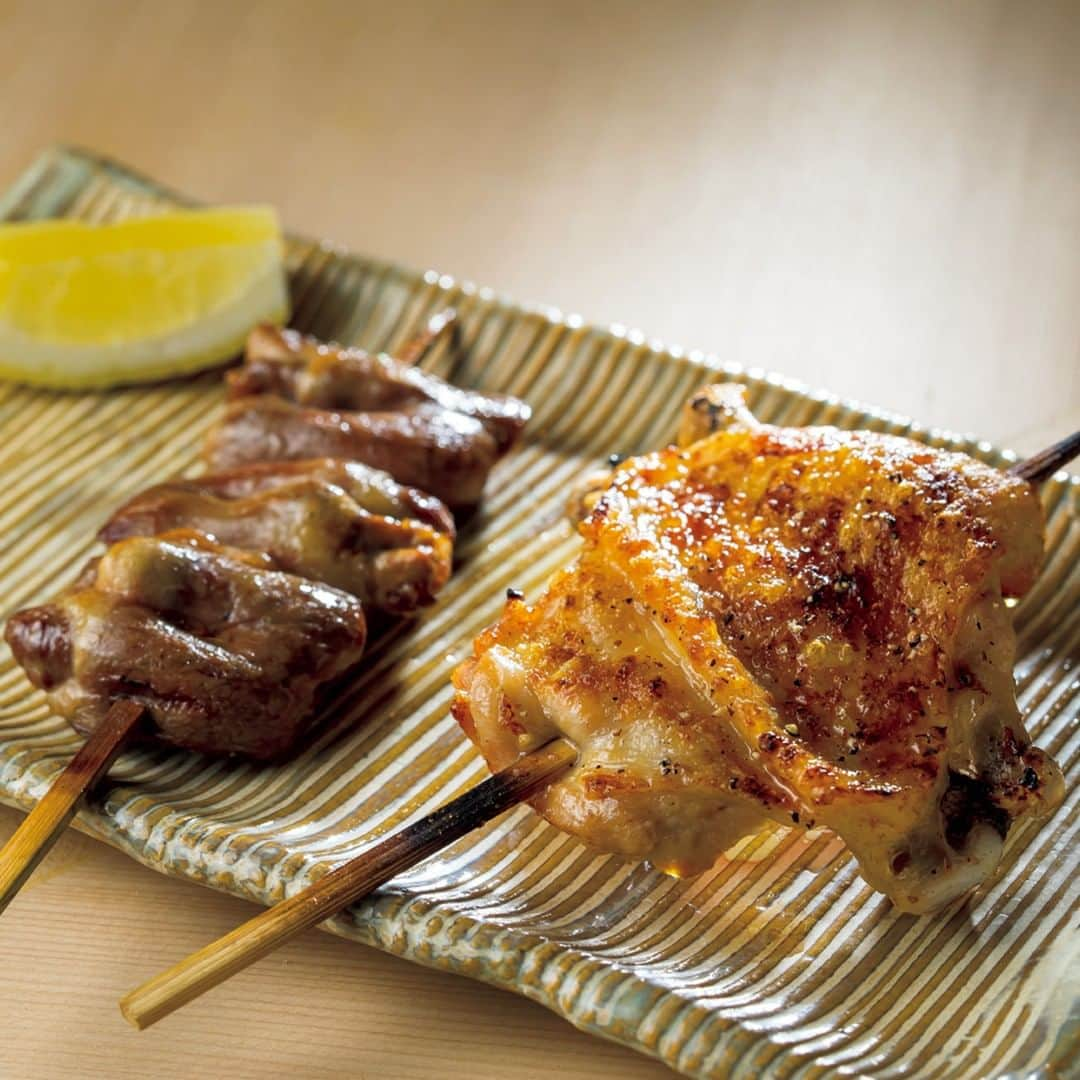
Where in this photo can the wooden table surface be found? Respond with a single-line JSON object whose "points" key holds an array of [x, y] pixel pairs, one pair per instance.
{"points": [[880, 198]]}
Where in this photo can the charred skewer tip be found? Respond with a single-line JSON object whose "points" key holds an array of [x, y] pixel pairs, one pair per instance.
{"points": [[1043, 465], [442, 322]]}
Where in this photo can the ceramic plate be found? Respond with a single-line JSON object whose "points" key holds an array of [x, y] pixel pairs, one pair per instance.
{"points": [[780, 961]]}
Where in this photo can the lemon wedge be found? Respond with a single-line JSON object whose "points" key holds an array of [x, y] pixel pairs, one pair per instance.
{"points": [[88, 306]]}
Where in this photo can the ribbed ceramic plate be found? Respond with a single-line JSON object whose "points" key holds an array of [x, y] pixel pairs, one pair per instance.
{"points": [[779, 962]]}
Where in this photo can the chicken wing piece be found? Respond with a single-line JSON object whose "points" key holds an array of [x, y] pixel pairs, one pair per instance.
{"points": [[310, 518], [444, 453], [798, 626], [329, 376], [227, 656]]}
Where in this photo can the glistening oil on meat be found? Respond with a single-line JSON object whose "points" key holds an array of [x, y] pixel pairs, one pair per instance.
{"points": [[803, 627]]}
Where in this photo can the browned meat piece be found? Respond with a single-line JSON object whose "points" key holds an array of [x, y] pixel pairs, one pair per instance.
{"points": [[782, 625], [445, 453], [226, 656], [376, 491], [329, 376], [312, 518]]}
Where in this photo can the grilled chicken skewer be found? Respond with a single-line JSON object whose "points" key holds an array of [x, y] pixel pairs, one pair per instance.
{"points": [[224, 652], [327, 376], [297, 398], [782, 625], [183, 640], [225, 605], [532, 677], [332, 521], [185, 624], [444, 453]]}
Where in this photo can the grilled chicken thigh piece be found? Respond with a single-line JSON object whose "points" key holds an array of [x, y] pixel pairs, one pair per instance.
{"points": [[226, 655], [330, 376], [799, 626], [338, 522], [445, 453]]}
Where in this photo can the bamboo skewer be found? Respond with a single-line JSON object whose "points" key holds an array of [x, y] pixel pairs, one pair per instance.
{"points": [[350, 882], [42, 827], [443, 322], [1043, 465], [259, 936], [45, 823]]}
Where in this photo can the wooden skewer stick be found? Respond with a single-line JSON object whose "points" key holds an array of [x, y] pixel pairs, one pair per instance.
{"points": [[1043, 465], [439, 324], [42, 827], [350, 882], [44, 824], [256, 938]]}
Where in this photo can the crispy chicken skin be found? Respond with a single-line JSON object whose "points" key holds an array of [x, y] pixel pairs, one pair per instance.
{"points": [[330, 376], [338, 522], [802, 626], [226, 655], [445, 453]]}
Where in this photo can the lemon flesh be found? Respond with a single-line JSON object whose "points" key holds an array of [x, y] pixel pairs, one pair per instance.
{"points": [[87, 306]]}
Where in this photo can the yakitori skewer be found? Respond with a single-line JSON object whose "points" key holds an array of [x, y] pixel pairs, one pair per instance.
{"points": [[440, 324], [352, 881], [399, 578], [1043, 465], [348, 883]]}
